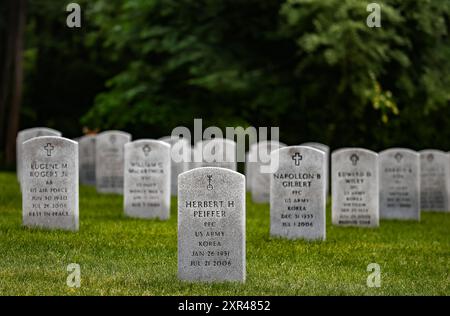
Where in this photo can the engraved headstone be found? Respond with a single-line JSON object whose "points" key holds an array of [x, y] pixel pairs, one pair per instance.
{"points": [[180, 158], [217, 152], [50, 183], [399, 174], [354, 176], [260, 158], [109, 161], [297, 193], [211, 225], [86, 151], [434, 180], [147, 179], [326, 150], [25, 135]]}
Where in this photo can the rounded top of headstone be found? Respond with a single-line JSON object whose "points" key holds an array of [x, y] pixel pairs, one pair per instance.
{"points": [[50, 138], [148, 142], [39, 129], [115, 132], [210, 169], [432, 151], [317, 145], [297, 148], [398, 149], [354, 149]]}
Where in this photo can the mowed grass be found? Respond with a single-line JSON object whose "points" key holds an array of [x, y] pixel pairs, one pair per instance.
{"points": [[123, 256]]}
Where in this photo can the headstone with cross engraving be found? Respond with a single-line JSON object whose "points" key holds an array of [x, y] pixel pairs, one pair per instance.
{"points": [[147, 179], [354, 175], [217, 152], [434, 180], [326, 150], [211, 225], [109, 161], [50, 183], [25, 135], [86, 149], [399, 173], [297, 193], [180, 154], [260, 169]]}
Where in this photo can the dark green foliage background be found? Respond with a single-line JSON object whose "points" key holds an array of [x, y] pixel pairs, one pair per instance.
{"points": [[313, 68]]}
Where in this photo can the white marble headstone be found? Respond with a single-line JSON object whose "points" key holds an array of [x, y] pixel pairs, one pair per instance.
{"points": [[211, 225], [50, 183], [297, 193], [326, 150], [180, 159], [27, 134], [260, 187], [109, 162], [399, 172], [147, 179], [355, 194], [86, 150], [434, 180]]}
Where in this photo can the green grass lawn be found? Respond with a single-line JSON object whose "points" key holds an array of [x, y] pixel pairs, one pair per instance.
{"points": [[122, 256]]}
